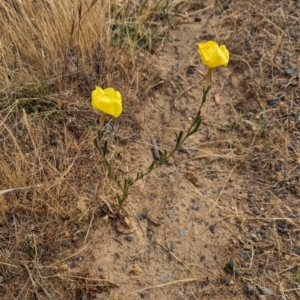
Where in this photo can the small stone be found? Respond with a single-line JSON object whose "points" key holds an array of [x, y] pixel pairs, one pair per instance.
{"points": [[53, 141], [134, 157], [289, 72], [129, 238], [266, 290], [100, 268], [231, 282], [66, 244], [143, 294], [250, 288], [212, 228], [262, 297], [141, 216], [108, 127], [225, 281], [170, 215], [181, 232], [273, 102]]}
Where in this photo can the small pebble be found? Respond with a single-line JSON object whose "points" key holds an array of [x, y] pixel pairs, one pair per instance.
{"points": [[212, 228], [273, 102], [289, 72], [225, 281], [170, 215], [143, 294], [250, 288], [53, 141], [129, 238], [266, 290], [108, 127], [141, 216], [181, 232]]}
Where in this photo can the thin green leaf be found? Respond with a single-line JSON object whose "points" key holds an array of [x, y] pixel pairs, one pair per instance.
{"points": [[108, 165], [96, 145], [151, 167], [105, 149], [178, 138]]}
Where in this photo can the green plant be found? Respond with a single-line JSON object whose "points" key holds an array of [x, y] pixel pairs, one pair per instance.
{"points": [[127, 182], [261, 126], [213, 56], [297, 277]]}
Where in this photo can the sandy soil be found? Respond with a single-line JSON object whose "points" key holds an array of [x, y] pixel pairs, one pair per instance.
{"points": [[221, 219]]}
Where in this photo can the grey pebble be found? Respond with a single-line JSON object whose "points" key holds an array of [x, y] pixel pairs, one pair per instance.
{"points": [[129, 238], [143, 294], [108, 127], [266, 290], [170, 215], [250, 288], [273, 102], [181, 232], [289, 72], [53, 141], [212, 228], [141, 216]]}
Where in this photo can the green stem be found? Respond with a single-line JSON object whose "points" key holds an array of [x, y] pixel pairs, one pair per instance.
{"points": [[194, 127]]}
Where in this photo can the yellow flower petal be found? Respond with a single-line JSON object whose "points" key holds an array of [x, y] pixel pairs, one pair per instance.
{"points": [[109, 101], [213, 55]]}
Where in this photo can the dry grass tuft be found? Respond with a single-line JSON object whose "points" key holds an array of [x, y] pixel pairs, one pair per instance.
{"points": [[52, 55]]}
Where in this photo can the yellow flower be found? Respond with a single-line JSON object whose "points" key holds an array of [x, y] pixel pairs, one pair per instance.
{"points": [[213, 55], [108, 101]]}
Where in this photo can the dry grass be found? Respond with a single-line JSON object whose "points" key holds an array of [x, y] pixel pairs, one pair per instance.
{"points": [[52, 55]]}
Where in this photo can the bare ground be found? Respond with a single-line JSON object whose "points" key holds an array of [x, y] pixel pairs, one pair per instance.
{"points": [[220, 220]]}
